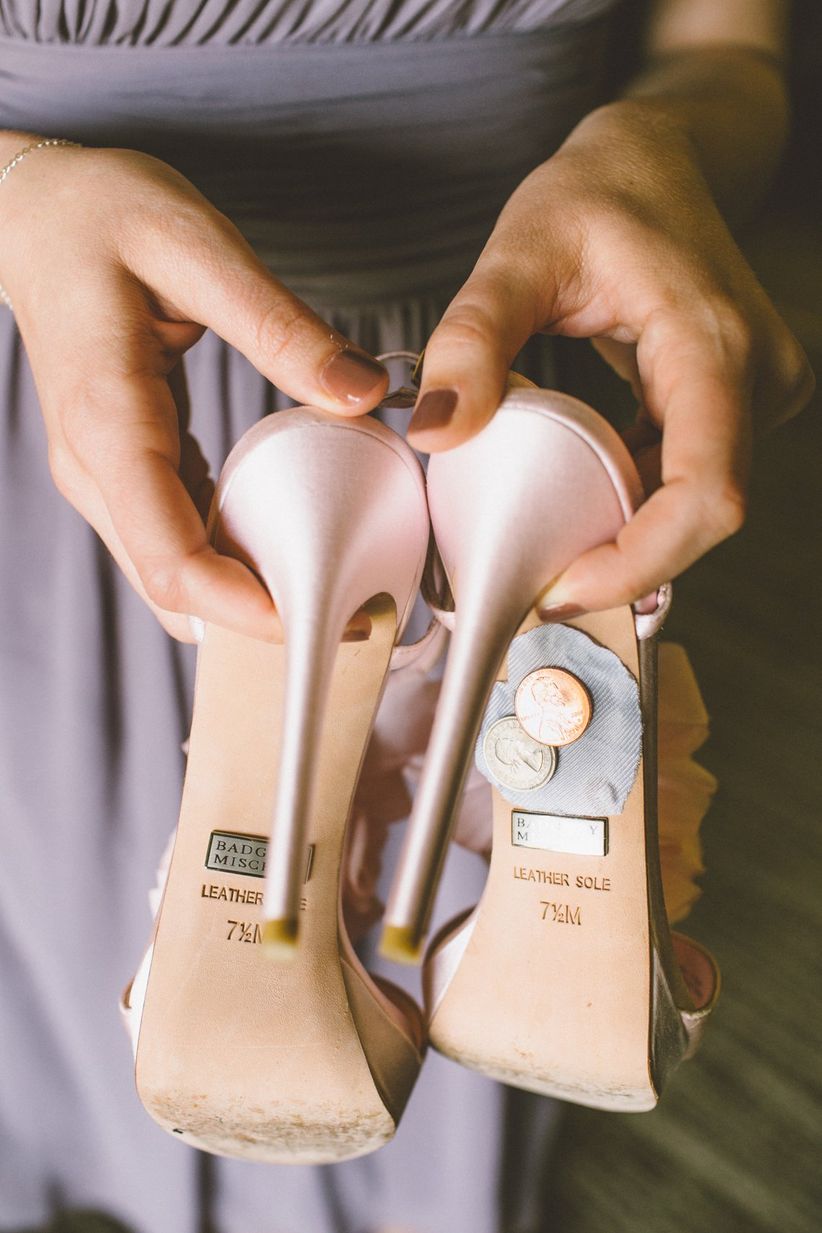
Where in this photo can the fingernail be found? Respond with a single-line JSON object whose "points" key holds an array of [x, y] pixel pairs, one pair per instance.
{"points": [[197, 627], [350, 376], [434, 410], [561, 612], [553, 606]]}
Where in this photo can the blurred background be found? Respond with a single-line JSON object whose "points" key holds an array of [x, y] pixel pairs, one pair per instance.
{"points": [[736, 1144]]}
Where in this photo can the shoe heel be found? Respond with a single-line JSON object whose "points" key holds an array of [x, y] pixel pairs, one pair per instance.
{"points": [[478, 643], [311, 644], [321, 568], [509, 514], [309, 1060], [563, 979]]}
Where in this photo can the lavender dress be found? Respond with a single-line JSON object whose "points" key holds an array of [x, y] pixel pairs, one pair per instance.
{"points": [[364, 147]]}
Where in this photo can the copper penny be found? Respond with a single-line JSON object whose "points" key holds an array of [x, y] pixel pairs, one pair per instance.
{"points": [[553, 706]]}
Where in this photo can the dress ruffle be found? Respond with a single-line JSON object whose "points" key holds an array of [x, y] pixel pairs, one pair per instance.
{"points": [[685, 787]]}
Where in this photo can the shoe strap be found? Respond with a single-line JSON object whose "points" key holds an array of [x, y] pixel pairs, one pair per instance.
{"points": [[700, 972], [420, 656], [649, 624]]}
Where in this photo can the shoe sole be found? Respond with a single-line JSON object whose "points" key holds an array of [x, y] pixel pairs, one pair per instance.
{"points": [[554, 990], [240, 1054]]}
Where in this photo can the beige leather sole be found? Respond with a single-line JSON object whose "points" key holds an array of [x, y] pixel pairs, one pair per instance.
{"points": [[240, 1054], [554, 990]]}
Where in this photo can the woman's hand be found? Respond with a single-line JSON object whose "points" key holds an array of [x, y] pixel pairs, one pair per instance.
{"points": [[618, 238], [115, 265]]}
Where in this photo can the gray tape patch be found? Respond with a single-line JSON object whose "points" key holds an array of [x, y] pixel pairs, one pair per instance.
{"points": [[595, 774]]}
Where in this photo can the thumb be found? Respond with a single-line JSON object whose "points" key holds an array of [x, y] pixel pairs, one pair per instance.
{"points": [[469, 354]]}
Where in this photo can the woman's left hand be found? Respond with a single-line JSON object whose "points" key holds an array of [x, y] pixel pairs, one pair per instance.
{"points": [[617, 238]]}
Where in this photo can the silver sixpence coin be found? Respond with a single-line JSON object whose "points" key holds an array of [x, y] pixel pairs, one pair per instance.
{"points": [[514, 759]]}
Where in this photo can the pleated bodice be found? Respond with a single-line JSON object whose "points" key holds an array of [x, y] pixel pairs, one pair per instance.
{"points": [[364, 147]]}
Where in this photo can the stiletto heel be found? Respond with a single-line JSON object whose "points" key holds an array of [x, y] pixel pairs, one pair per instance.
{"points": [[309, 1060], [563, 979], [319, 574], [507, 517]]}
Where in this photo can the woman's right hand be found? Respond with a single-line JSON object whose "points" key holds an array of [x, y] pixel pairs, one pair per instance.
{"points": [[115, 265]]}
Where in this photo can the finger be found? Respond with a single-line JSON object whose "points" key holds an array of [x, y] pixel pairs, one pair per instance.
{"points": [[193, 469], [644, 440], [468, 357], [195, 475], [125, 438], [83, 494], [214, 277], [643, 436], [94, 510], [136, 501], [668, 533], [786, 384], [705, 461], [648, 462]]}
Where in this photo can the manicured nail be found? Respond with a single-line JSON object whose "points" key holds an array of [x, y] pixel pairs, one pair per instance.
{"points": [[561, 612], [350, 376], [552, 605], [434, 410]]}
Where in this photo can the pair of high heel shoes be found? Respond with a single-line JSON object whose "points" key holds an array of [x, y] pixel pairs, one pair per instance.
{"points": [[258, 1032]]}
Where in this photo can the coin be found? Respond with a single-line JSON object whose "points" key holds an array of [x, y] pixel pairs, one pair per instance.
{"points": [[514, 759], [553, 706]]}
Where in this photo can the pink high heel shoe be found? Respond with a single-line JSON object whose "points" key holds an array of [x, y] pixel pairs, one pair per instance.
{"points": [[565, 979], [295, 1055]]}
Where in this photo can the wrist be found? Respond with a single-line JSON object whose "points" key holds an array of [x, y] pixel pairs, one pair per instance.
{"points": [[718, 92], [626, 144], [13, 140], [731, 104], [32, 144], [22, 149], [724, 109]]}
